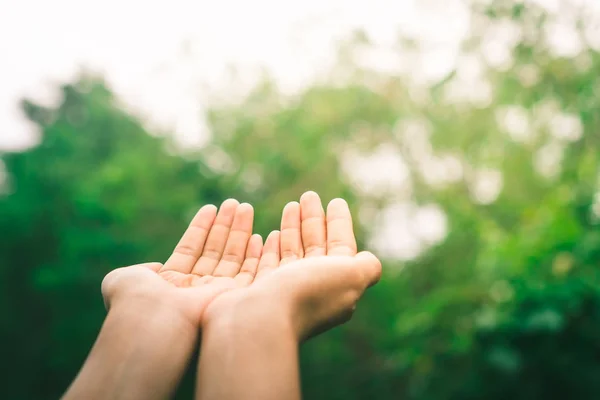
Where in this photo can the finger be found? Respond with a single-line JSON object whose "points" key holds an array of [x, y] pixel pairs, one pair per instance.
{"points": [[217, 238], [291, 236], [153, 266], [250, 265], [371, 267], [314, 234], [191, 244], [237, 242], [340, 233], [270, 255]]}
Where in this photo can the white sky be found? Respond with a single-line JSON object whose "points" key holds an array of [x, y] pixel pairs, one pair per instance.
{"points": [[137, 45]]}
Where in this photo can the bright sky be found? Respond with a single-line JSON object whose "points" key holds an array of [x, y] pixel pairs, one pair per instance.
{"points": [[138, 46]]}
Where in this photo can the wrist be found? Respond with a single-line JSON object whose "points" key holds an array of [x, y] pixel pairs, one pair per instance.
{"points": [[237, 332], [251, 310], [139, 353], [152, 320], [152, 313]]}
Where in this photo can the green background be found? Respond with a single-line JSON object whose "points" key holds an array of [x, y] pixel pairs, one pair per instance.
{"points": [[507, 305]]}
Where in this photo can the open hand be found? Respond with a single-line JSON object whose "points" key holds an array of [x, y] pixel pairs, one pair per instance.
{"points": [[316, 278], [217, 253]]}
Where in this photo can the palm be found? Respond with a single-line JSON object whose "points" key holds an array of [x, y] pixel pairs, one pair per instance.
{"points": [[184, 293], [307, 232], [217, 253]]}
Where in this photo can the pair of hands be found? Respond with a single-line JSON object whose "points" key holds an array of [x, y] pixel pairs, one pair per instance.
{"points": [[308, 274]]}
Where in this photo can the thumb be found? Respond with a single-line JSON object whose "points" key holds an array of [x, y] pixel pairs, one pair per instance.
{"points": [[370, 265]]}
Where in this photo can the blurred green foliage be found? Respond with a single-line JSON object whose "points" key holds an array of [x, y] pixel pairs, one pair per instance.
{"points": [[507, 305]]}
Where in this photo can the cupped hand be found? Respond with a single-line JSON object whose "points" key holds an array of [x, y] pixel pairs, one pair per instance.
{"points": [[316, 278], [217, 253]]}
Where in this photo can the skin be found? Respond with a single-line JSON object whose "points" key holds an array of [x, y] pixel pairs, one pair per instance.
{"points": [[155, 310], [222, 281], [314, 287]]}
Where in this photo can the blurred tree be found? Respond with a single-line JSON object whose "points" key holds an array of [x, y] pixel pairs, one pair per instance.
{"points": [[507, 146], [97, 193], [480, 189]]}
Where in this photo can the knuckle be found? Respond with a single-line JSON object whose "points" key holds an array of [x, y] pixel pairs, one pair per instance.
{"points": [[231, 257], [336, 242], [289, 254], [312, 248], [222, 273], [185, 249], [212, 254], [168, 276]]}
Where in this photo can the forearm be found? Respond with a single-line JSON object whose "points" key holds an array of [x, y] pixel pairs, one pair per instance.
{"points": [[139, 354], [248, 354]]}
